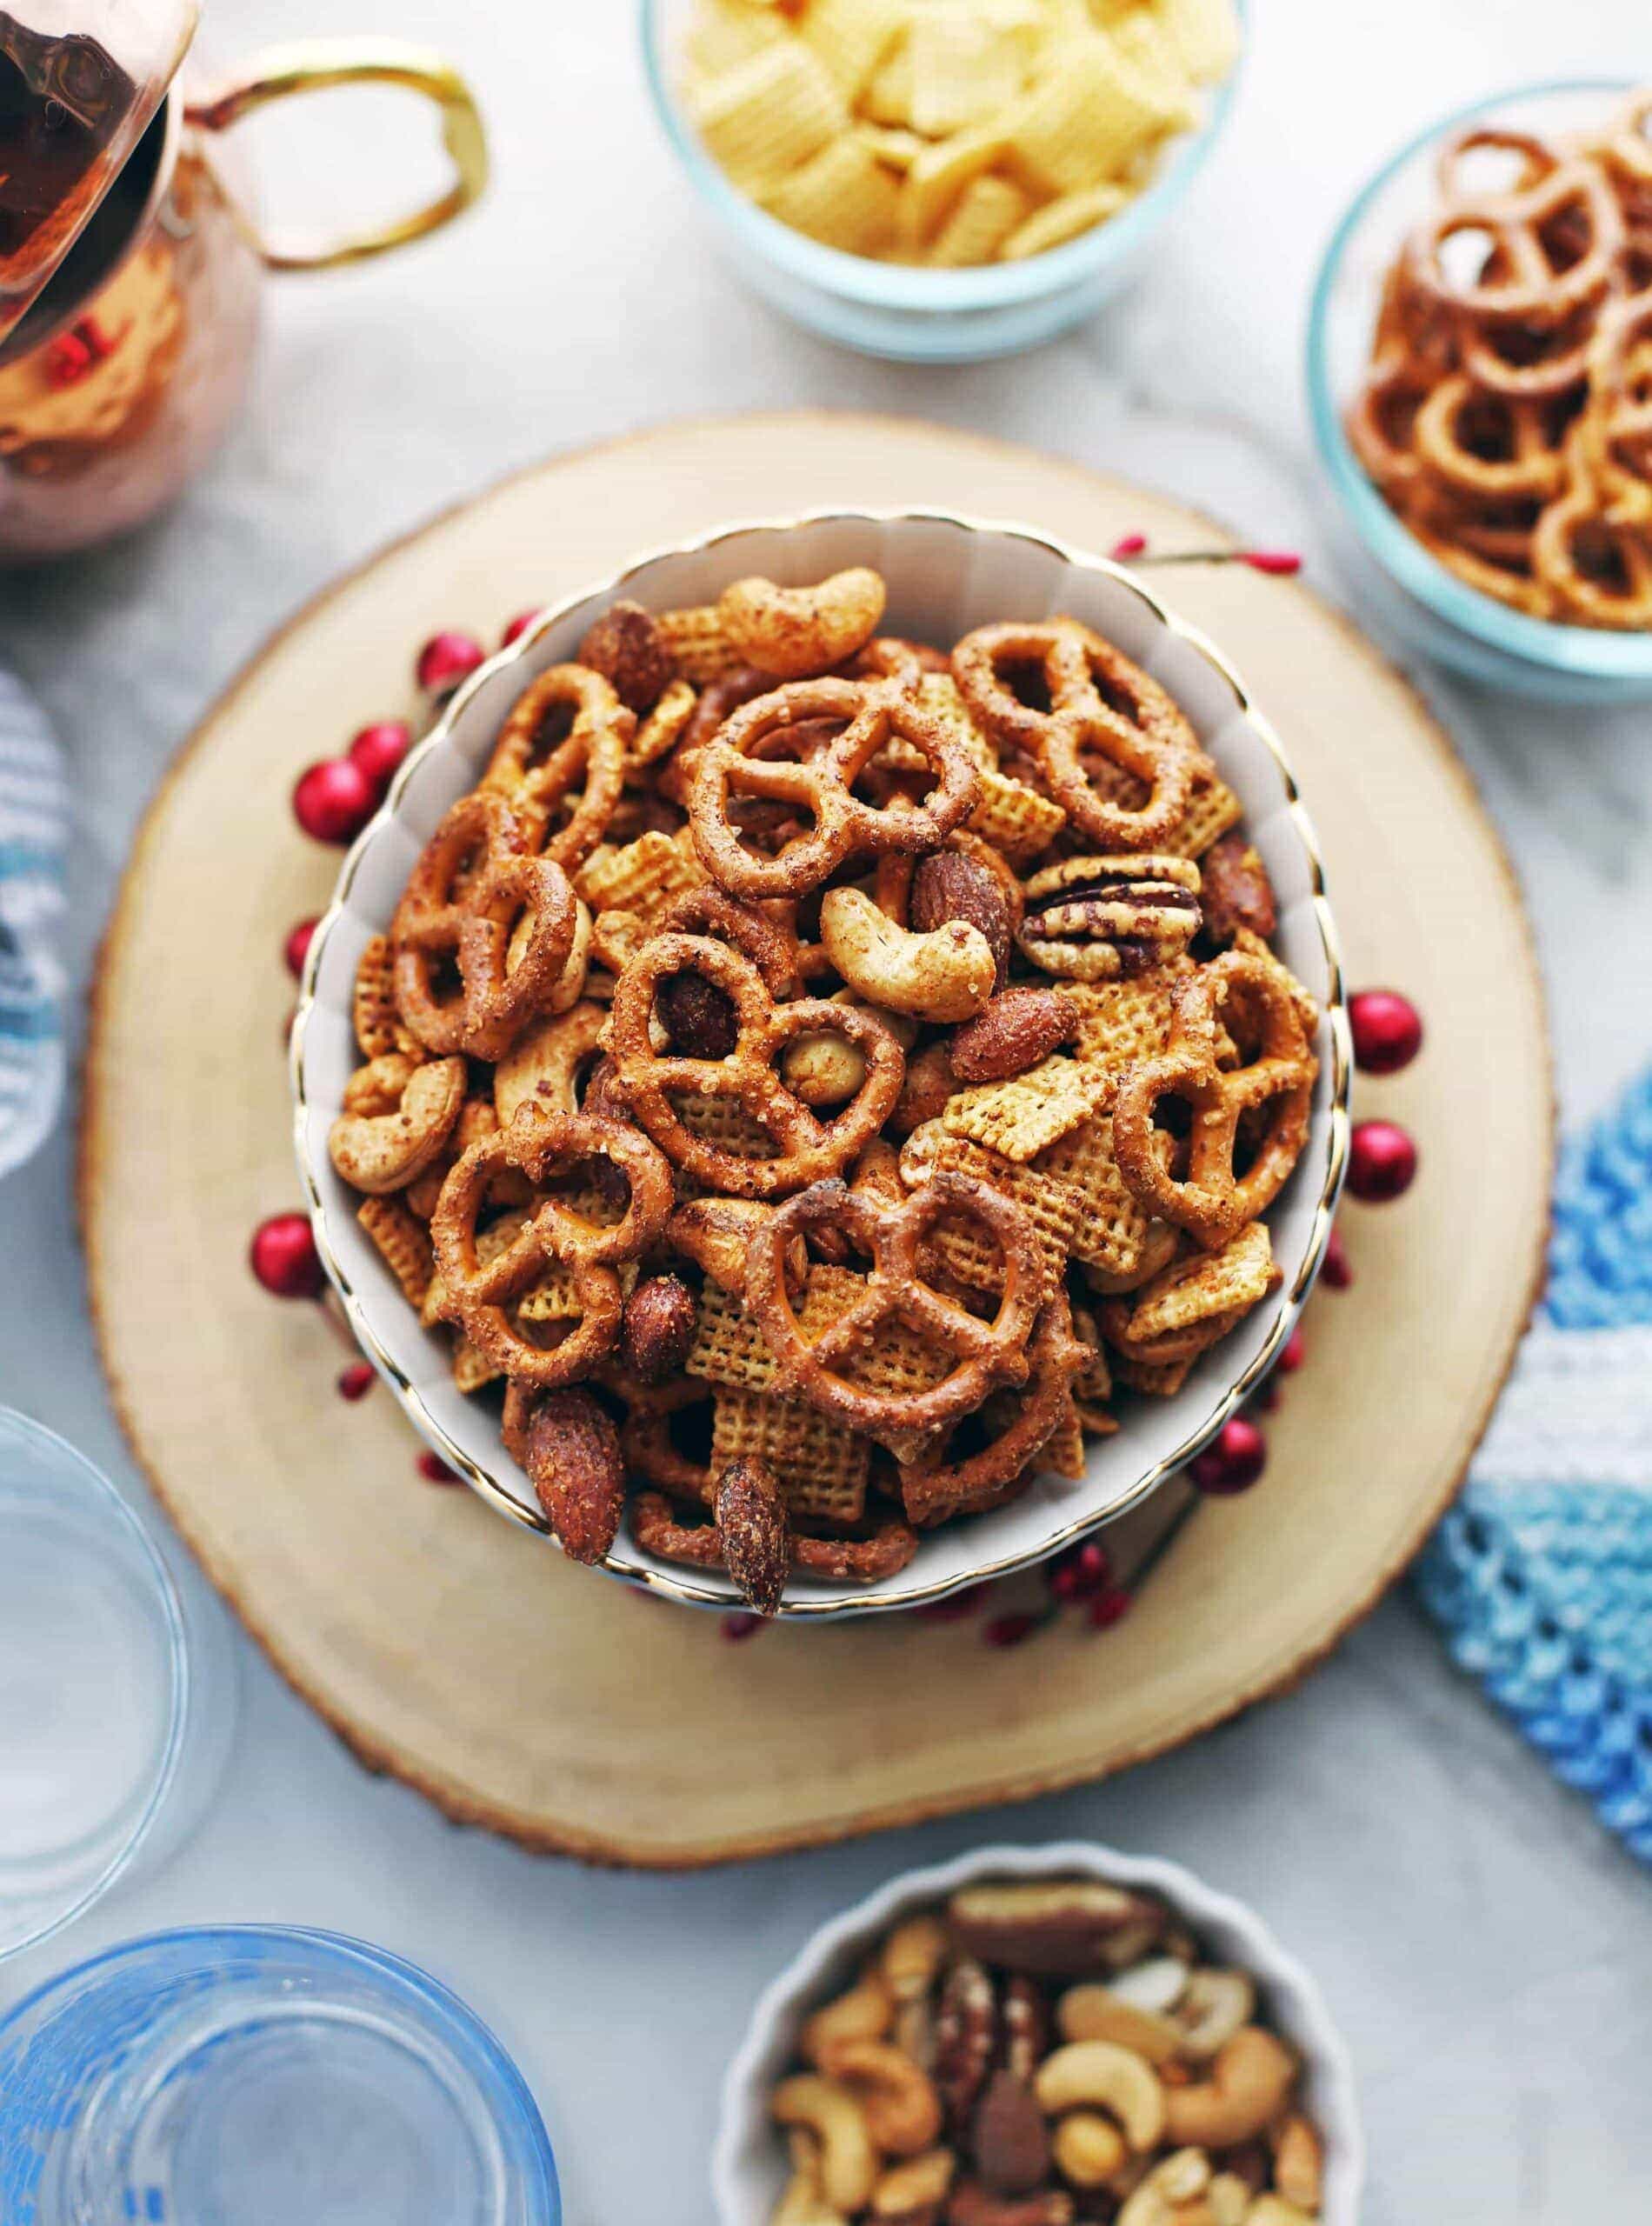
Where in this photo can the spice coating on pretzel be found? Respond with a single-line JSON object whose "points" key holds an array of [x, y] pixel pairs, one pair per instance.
{"points": [[589, 758]]}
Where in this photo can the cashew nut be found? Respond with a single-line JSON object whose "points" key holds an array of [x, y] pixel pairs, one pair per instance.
{"points": [[1299, 2163], [915, 2187], [1096, 2013], [1165, 2198], [902, 2110], [1214, 2005], [1100, 2072], [397, 1116], [792, 632], [802, 2203], [543, 1063], [1089, 2149], [1228, 2199], [913, 1955], [848, 2160], [1157, 1984], [1248, 2084], [862, 2014], [947, 975], [1272, 2210]]}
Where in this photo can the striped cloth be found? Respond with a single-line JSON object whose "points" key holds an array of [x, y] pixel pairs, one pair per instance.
{"points": [[1542, 1573], [34, 822]]}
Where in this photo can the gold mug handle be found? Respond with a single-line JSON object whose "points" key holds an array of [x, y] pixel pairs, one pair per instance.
{"points": [[313, 64]]}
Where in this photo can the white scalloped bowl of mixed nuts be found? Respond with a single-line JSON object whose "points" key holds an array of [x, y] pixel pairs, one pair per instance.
{"points": [[828, 1076], [1036, 2037]]}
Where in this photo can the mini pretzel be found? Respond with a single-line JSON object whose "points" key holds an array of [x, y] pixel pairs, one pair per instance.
{"points": [[987, 1352], [1522, 282], [1212, 1202], [933, 1491], [1101, 705], [398, 1114], [553, 1235], [593, 749], [735, 766], [1614, 588], [883, 1552], [463, 903], [809, 1148], [1457, 413]]}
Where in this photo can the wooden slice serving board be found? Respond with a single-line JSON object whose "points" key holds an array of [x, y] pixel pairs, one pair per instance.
{"points": [[465, 1656]]}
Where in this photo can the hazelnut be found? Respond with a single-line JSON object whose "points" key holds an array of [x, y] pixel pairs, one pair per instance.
{"points": [[627, 649]]}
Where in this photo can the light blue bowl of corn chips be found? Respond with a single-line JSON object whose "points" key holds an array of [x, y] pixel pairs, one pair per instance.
{"points": [[940, 184]]}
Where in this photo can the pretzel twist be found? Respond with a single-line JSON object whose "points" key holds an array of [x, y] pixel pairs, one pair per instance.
{"points": [[986, 1352], [594, 748], [1128, 720], [535, 1144], [809, 1148], [1522, 282], [1212, 1202], [737, 765], [473, 884], [934, 1491]]}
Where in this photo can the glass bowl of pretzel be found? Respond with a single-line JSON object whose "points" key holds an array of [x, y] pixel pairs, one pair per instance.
{"points": [[827, 1077], [940, 185], [1480, 381], [1030, 2036]]}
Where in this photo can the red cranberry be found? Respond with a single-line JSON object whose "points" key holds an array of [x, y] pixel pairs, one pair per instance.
{"points": [[284, 1258], [1295, 1354], [357, 1381], [446, 659], [378, 749], [738, 1626], [957, 1608], [1388, 1030], [1267, 1400], [1382, 1161], [1011, 1630], [333, 801], [434, 1471], [1081, 1573], [1133, 544], [1279, 563], [297, 948], [1109, 1608], [519, 626], [1338, 1272], [1234, 1462]]}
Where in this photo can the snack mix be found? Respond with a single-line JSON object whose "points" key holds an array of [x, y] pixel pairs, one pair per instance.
{"points": [[1507, 415], [808, 1071], [948, 132], [1042, 2051]]}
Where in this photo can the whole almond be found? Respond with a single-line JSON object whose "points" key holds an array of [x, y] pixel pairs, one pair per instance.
{"points": [[574, 1459], [627, 649], [698, 1016], [657, 1329], [755, 1531], [1019, 1028], [1236, 892], [1010, 2140], [948, 886]]}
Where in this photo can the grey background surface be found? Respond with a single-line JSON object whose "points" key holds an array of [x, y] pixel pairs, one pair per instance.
{"points": [[1488, 1951]]}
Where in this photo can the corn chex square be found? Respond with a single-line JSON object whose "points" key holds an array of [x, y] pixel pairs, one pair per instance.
{"points": [[1021, 1118], [968, 1253], [1123, 1021], [1191, 1291], [643, 877], [403, 1242], [730, 1348], [822, 1467], [1110, 1225]]}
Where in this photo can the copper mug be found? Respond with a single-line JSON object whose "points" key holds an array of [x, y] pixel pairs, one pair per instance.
{"points": [[119, 381]]}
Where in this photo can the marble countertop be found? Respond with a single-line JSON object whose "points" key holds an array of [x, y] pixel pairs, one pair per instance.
{"points": [[1486, 1949]]}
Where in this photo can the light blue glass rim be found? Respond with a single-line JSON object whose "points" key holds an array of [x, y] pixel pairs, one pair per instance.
{"points": [[507, 2092], [58, 1452], [899, 287], [1589, 652]]}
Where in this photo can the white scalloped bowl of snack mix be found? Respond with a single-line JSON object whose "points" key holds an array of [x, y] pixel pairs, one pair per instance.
{"points": [[986, 1944], [942, 184], [945, 576]]}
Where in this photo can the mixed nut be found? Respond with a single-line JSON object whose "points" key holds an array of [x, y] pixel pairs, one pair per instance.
{"points": [[1040, 2052]]}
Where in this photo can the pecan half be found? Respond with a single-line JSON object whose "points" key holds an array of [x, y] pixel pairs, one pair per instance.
{"points": [[966, 2038], [1236, 892], [1107, 919], [948, 886], [1026, 2028], [1055, 1930], [627, 649], [1018, 1027], [573, 1458], [1010, 2141], [657, 1329], [755, 1531]]}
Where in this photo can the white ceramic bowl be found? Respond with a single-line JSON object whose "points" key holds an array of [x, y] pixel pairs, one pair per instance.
{"points": [[749, 2163], [945, 576]]}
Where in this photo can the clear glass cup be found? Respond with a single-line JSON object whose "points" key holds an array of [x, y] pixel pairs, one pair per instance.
{"points": [[118, 1691], [246, 2076], [917, 316], [1400, 588]]}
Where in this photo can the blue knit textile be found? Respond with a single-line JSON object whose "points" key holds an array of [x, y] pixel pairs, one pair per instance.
{"points": [[1542, 1573], [34, 825]]}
